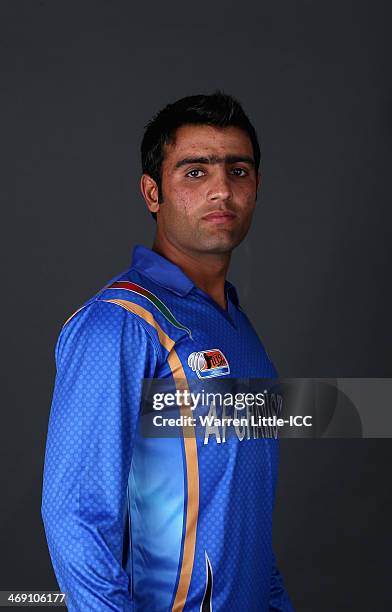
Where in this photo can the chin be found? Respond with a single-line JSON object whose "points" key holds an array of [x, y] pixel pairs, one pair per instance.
{"points": [[219, 245]]}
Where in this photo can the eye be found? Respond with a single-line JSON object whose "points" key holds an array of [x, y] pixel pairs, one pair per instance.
{"points": [[195, 173], [239, 172]]}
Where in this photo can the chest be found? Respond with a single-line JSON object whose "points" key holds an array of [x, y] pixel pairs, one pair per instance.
{"points": [[220, 344]]}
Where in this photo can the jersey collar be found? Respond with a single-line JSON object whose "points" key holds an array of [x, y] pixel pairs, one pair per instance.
{"points": [[167, 274]]}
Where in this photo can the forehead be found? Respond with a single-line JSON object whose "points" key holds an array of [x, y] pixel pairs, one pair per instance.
{"points": [[206, 139]]}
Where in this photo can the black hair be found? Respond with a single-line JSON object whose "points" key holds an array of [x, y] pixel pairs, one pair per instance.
{"points": [[217, 109]]}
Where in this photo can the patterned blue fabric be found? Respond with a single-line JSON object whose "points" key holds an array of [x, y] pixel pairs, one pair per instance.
{"points": [[114, 501]]}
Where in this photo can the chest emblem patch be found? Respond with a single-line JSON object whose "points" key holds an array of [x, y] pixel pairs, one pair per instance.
{"points": [[209, 363]]}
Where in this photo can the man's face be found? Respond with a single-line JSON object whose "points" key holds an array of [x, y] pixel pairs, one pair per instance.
{"points": [[209, 186]]}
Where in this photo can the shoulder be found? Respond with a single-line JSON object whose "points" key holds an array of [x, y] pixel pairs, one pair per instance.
{"points": [[101, 325], [132, 300], [154, 305], [104, 309]]}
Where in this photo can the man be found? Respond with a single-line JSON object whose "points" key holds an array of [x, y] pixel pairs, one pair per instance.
{"points": [[153, 524]]}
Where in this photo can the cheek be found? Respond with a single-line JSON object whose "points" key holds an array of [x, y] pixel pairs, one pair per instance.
{"points": [[180, 201], [185, 201], [244, 189], [246, 197]]}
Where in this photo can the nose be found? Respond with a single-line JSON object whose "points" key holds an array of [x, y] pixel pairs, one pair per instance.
{"points": [[220, 188]]}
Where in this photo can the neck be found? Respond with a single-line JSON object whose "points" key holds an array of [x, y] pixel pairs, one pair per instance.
{"points": [[206, 270]]}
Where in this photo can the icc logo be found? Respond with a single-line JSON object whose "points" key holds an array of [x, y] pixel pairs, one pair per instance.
{"points": [[209, 363]]}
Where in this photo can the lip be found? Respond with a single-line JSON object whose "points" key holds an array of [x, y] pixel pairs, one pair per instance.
{"points": [[219, 216]]}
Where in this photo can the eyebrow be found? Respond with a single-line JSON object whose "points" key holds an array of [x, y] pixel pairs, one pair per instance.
{"points": [[214, 159]]}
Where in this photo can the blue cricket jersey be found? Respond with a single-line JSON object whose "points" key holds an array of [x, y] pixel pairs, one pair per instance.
{"points": [[138, 523]]}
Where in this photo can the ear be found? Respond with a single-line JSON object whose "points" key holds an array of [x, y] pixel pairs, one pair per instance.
{"points": [[149, 190]]}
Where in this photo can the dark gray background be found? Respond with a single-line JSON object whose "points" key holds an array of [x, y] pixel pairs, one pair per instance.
{"points": [[79, 80]]}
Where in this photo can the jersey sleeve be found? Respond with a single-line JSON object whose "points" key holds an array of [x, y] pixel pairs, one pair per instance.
{"points": [[102, 356], [279, 599]]}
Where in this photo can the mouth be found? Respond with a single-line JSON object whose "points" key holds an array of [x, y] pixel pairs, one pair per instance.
{"points": [[219, 216]]}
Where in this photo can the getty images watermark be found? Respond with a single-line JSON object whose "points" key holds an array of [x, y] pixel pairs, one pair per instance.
{"points": [[267, 408], [251, 415]]}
